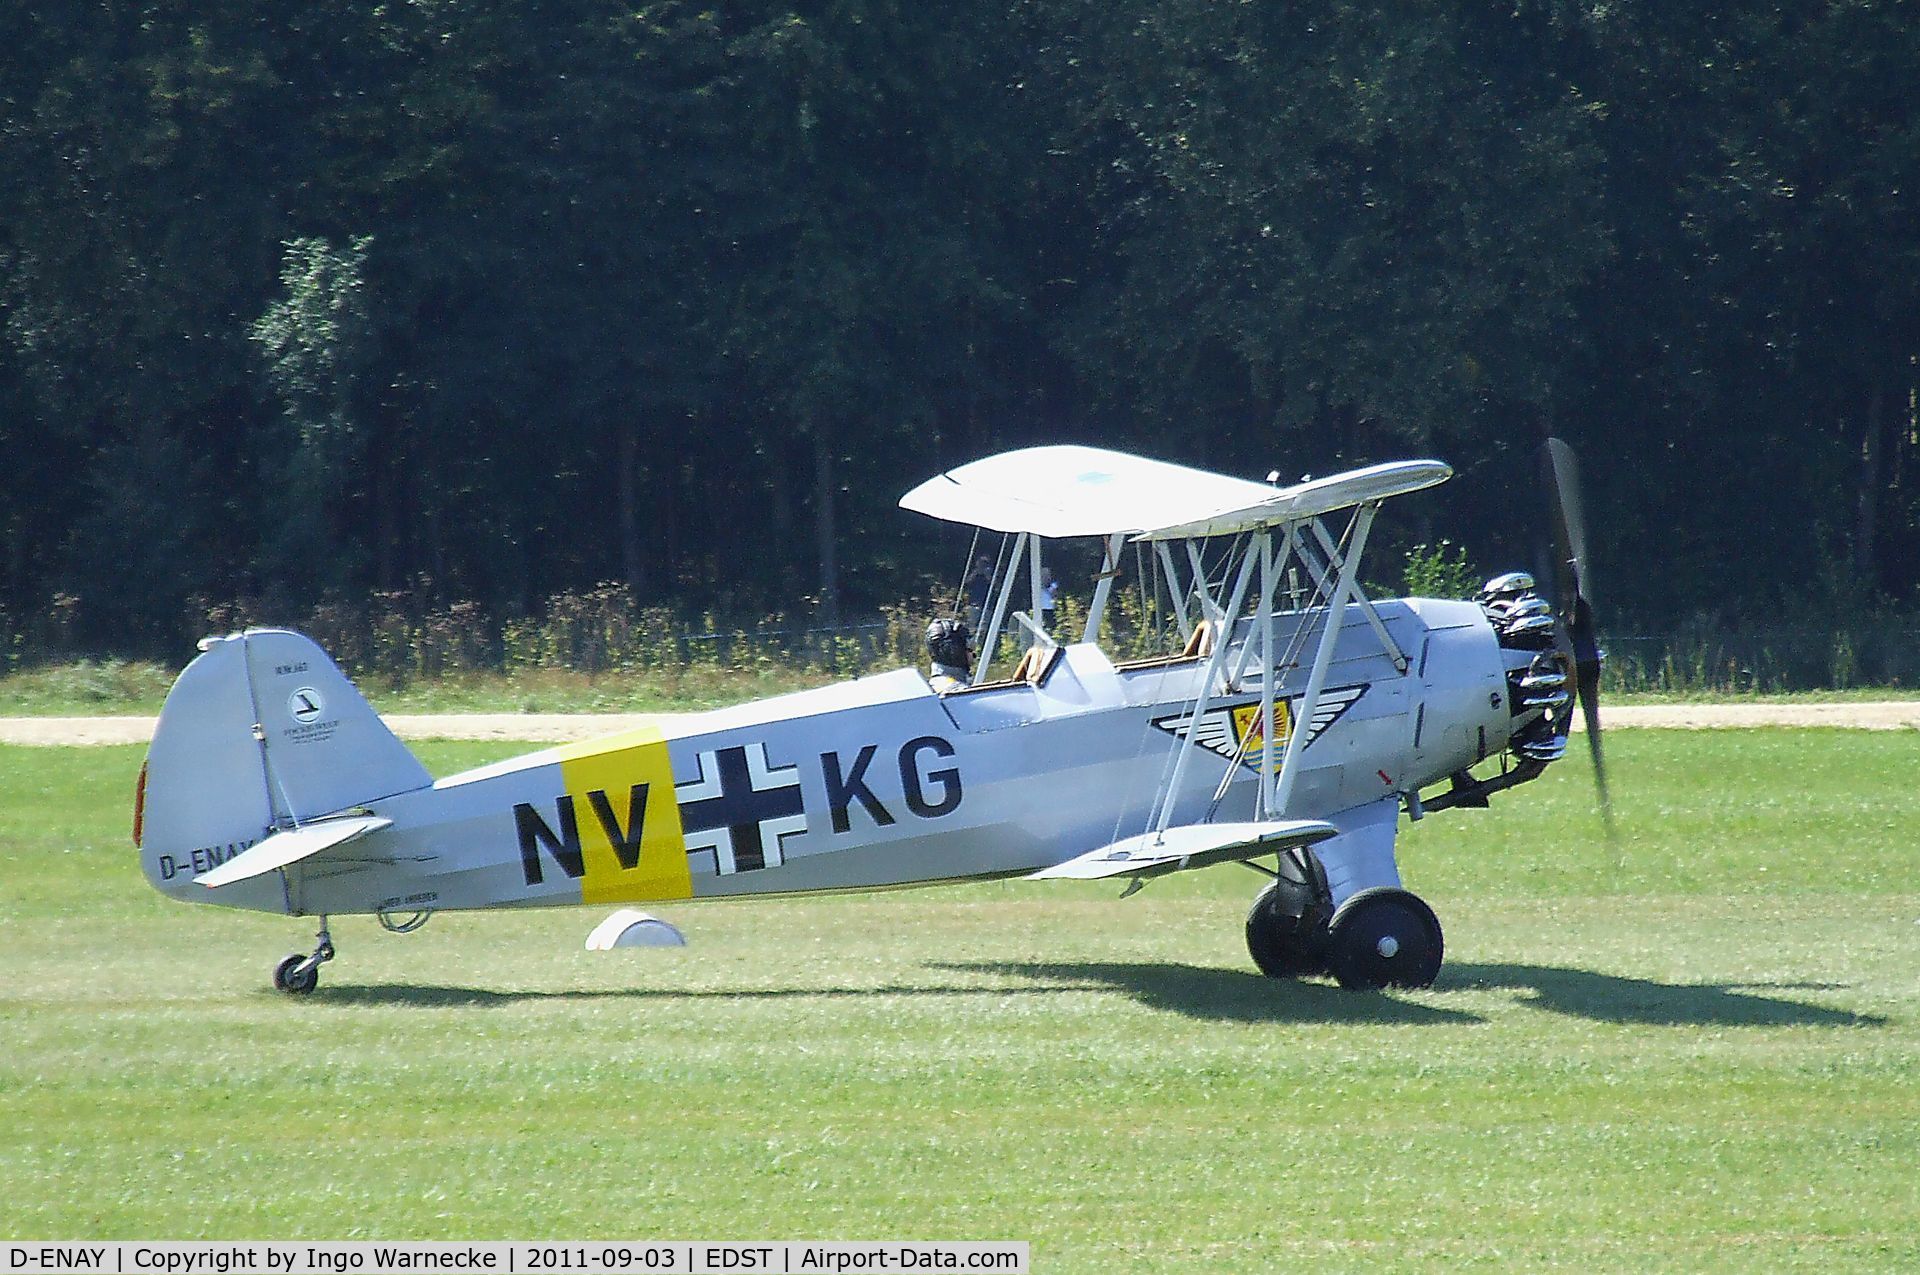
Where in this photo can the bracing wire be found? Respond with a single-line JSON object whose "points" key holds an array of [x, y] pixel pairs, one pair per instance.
{"points": [[966, 569]]}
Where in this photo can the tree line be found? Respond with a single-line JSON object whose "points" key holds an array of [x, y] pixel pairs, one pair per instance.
{"points": [[487, 302]]}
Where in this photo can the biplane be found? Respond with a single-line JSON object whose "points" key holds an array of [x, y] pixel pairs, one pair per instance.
{"points": [[1288, 726]]}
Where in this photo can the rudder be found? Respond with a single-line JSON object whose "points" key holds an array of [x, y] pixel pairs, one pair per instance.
{"points": [[261, 732]]}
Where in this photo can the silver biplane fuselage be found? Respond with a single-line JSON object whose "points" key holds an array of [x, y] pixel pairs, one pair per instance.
{"points": [[272, 785]]}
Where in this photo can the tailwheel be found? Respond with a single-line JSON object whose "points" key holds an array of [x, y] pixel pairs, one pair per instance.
{"points": [[1384, 937], [1287, 924], [298, 975]]}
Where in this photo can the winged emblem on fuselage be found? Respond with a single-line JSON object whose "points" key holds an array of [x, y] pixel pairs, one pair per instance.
{"points": [[1232, 731]]}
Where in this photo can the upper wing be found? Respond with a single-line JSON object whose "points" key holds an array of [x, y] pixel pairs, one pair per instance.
{"points": [[1076, 491], [1309, 499], [1194, 845], [1067, 490]]}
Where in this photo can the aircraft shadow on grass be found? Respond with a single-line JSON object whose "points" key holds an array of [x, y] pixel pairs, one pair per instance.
{"points": [[1611, 998], [1223, 995], [1218, 995], [425, 995], [1233, 995]]}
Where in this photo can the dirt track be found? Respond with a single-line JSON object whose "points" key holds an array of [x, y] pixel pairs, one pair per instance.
{"points": [[560, 727]]}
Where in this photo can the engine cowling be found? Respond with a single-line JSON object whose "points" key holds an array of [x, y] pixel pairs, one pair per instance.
{"points": [[1538, 691]]}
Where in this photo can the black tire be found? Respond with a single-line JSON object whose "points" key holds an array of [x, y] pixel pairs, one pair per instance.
{"points": [[294, 977], [1385, 937], [1287, 924]]}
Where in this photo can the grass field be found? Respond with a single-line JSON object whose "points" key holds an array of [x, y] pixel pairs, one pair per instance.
{"points": [[1697, 1051]]}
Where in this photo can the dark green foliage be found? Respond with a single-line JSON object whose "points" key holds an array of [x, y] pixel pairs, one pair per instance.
{"points": [[485, 304], [1440, 571]]}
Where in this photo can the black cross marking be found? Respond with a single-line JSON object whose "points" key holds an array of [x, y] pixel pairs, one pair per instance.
{"points": [[740, 808]]}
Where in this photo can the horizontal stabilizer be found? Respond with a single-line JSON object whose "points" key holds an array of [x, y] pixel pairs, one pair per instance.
{"points": [[291, 846], [1194, 845]]}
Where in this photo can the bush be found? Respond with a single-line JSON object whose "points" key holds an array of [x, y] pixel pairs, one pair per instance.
{"points": [[1440, 571], [401, 636]]}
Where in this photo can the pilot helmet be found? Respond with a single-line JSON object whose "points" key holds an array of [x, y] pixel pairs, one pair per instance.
{"points": [[948, 641]]}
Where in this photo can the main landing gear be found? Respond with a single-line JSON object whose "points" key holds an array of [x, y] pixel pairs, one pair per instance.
{"points": [[1288, 923], [298, 975], [1382, 937]]}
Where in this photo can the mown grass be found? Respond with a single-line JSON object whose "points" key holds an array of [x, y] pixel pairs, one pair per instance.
{"points": [[1696, 1050]]}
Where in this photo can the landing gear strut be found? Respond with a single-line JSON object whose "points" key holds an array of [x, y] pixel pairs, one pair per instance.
{"points": [[298, 975], [1287, 924]]}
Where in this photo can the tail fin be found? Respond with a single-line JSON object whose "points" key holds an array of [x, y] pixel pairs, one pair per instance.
{"points": [[261, 732]]}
